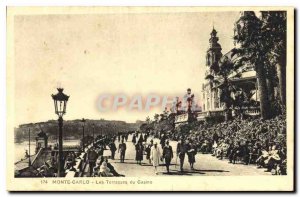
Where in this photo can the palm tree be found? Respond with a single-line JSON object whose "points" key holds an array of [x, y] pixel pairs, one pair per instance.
{"points": [[274, 31], [253, 47], [222, 71]]}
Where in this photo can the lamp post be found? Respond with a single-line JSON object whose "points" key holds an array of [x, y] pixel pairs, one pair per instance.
{"points": [[29, 159], [83, 125], [93, 134], [60, 104]]}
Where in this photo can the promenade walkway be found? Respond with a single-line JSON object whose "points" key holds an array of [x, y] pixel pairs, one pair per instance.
{"points": [[206, 165]]}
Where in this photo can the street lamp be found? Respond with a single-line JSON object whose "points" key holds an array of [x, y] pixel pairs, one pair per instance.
{"points": [[83, 124], [60, 104], [93, 134], [102, 130], [29, 159]]}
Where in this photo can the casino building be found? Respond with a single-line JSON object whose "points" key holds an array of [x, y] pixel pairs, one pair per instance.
{"points": [[210, 93]]}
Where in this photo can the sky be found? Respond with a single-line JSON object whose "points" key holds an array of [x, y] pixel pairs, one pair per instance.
{"points": [[95, 54]]}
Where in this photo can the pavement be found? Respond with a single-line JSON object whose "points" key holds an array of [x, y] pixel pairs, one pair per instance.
{"points": [[206, 165]]}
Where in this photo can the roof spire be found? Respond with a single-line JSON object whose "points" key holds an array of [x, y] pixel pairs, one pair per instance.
{"points": [[213, 32]]}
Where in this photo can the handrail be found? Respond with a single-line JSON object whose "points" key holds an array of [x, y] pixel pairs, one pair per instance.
{"points": [[37, 155], [80, 164]]}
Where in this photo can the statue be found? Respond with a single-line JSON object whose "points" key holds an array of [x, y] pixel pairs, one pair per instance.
{"points": [[189, 99]]}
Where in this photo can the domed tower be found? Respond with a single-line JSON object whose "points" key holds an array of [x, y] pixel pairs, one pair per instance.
{"points": [[214, 53], [210, 96]]}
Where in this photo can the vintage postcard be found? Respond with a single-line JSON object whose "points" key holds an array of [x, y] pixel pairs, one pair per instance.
{"points": [[150, 99]]}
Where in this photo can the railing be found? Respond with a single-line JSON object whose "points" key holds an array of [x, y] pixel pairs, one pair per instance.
{"points": [[37, 156], [80, 164], [254, 111], [71, 147], [217, 113], [201, 115]]}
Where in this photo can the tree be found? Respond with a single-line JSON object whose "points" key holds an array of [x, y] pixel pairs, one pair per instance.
{"points": [[156, 117], [222, 71], [145, 127], [274, 32], [263, 43], [148, 120], [252, 49]]}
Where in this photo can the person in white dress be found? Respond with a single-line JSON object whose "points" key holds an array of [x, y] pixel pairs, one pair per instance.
{"points": [[155, 156]]}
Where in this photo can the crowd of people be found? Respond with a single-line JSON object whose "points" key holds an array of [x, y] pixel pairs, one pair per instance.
{"points": [[99, 166], [157, 150], [249, 141]]}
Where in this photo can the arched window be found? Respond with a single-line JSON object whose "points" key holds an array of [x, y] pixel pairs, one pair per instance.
{"points": [[208, 59]]}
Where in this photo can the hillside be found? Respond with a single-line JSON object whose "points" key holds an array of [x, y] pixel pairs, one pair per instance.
{"points": [[73, 128]]}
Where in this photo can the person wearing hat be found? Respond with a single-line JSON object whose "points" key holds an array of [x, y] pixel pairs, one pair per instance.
{"points": [[215, 137], [104, 170], [146, 136], [155, 156], [148, 150], [163, 140], [111, 168], [122, 151], [113, 149], [119, 137], [139, 148], [167, 155], [191, 154], [181, 150], [92, 157], [134, 138], [97, 167], [140, 138]]}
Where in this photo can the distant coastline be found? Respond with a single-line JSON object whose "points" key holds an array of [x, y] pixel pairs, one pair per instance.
{"points": [[72, 128]]}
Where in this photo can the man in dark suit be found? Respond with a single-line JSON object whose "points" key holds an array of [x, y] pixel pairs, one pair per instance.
{"points": [[181, 151], [113, 149], [92, 157], [167, 155], [163, 140], [122, 150], [235, 153]]}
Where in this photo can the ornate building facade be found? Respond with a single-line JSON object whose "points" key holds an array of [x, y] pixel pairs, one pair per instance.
{"points": [[210, 93]]}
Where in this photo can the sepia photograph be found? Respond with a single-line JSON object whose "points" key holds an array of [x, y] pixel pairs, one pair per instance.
{"points": [[150, 99]]}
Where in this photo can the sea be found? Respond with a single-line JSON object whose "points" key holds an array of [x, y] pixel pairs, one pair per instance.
{"points": [[20, 148]]}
